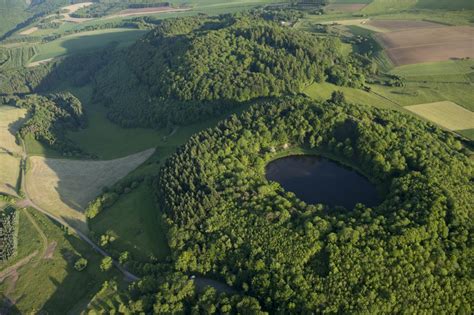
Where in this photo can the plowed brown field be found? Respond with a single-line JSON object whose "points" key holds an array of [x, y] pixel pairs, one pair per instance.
{"points": [[428, 44]]}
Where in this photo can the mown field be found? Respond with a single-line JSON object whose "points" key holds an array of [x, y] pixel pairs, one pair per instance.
{"points": [[10, 120], [47, 282], [446, 114], [86, 41], [65, 187]]}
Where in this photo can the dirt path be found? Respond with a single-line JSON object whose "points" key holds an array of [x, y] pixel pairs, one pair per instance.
{"points": [[44, 239], [12, 269], [27, 201]]}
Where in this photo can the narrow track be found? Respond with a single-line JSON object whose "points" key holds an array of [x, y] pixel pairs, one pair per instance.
{"points": [[128, 275]]}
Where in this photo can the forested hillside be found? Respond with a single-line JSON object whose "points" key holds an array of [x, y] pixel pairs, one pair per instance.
{"points": [[186, 68], [51, 116], [409, 254]]}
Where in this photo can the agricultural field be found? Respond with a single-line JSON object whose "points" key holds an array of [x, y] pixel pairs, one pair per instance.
{"points": [[10, 120], [42, 278], [15, 57], [86, 41], [9, 174], [65, 187], [446, 114], [416, 45]]}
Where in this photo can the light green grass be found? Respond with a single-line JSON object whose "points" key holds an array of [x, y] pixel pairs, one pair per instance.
{"points": [[427, 92], [446, 114], [387, 6], [135, 222], [108, 140], [53, 286], [435, 68], [323, 91], [86, 41]]}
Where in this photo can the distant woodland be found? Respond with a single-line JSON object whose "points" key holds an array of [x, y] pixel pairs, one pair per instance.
{"points": [[188, 68]]}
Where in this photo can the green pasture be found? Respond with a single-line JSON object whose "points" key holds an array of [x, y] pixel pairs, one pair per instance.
{"points": [[86, 41], [136, 224], [323, 91], [50, 285]]}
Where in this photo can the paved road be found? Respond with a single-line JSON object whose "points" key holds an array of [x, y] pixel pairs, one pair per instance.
{"points": [[27, 201]]}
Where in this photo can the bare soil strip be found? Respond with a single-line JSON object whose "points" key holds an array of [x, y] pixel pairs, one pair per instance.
{"points": [[428, 44], [13, 268], [29, 31]]}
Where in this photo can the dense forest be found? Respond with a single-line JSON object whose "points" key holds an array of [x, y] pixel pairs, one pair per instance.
{"points": [[8, 233], [185, 68], [411, 253], [50, 116]]}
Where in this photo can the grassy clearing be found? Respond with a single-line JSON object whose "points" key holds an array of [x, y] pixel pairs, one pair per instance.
{"points": [[323, 91], [52, 285], [65, 187], [136, 224], [446, 4], [446, 114], [86, 41], [432, 69], [108, 140]]}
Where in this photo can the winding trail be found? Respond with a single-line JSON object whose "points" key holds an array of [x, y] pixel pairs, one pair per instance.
{"points": [[27, 201], [40, 232]]}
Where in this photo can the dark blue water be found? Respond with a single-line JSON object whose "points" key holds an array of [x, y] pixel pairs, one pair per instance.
{"points": [[318, 180]]}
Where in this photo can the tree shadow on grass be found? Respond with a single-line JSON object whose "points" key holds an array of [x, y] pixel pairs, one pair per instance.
{"points": [[7, 306], [78, 288]]}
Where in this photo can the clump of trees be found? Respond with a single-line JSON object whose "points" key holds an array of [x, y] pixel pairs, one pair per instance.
{"points": [[193, 63], [50, 117], [408, 254], [80, 264], [9, 224]]}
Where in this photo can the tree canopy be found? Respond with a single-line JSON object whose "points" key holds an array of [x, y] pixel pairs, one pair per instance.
{"points": [[411, 253], [187, 64]]}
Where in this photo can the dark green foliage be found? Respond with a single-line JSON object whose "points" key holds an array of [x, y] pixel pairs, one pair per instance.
{"points": [[50, 117], [412, 253], [186, 64], [8, 232], [75, 70]]}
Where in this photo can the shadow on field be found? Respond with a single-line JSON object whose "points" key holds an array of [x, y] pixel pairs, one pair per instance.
{"points": [[7, 306], [78, 287]]}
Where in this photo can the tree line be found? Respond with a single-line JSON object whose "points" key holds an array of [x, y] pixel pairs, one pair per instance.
{"points": [[188, 64], [9, 221], [411, 253]]}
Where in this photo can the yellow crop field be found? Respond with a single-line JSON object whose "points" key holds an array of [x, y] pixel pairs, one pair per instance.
{"points": [[9, 172], [446, 114], [64, 187], [10, 121]]}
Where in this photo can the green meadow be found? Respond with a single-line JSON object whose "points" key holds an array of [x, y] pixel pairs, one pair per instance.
{"points": [[86, 41]]}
